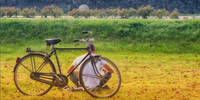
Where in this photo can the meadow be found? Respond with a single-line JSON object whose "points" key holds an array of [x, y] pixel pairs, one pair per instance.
{"points": [[158, 59]]}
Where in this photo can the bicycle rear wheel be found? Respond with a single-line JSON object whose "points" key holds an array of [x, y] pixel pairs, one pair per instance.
{"points": [[109, 88], [26, 65]]}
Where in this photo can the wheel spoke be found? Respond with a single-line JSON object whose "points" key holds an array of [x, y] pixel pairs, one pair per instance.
{"points": [[41, 66], [25, 67], [91, 76]]}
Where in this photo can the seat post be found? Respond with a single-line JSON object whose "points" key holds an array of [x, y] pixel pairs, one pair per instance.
{"points": [[57, 58]]}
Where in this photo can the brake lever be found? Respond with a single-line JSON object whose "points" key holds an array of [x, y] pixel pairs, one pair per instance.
{"points": [[87, 36], [77, 44]]}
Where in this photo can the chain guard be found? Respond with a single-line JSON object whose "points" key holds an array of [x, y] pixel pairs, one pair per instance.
{"points": [[51, 81]]}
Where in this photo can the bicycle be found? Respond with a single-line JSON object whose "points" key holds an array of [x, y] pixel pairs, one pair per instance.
{"points": [[35, 73]]}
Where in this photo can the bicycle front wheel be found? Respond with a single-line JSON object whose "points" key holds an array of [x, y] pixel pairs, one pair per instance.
{"points": [[99, 84], [28, 64]]}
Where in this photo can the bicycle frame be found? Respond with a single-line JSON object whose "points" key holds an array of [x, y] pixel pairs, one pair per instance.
{"points": [[54, 50], [89, 53]]}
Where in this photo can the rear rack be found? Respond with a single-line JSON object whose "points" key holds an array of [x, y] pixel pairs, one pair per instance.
{"points": [[29, 50]]}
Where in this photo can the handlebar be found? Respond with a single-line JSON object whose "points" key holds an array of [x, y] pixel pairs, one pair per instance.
{"points": [[85, 41], [84, 32], [76, 40]]}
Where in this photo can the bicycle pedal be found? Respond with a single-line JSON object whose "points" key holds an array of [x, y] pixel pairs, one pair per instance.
{"points": [[79, 89], [71, 89]]}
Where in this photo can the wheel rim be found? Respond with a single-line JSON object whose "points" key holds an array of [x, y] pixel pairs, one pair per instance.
{"points": [[113, 83], [22, 79]]}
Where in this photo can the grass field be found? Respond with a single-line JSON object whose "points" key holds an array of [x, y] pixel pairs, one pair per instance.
{"points": [[158, 59], [144, 76]]}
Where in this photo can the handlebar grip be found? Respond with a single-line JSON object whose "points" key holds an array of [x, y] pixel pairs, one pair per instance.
{"points": [[76, 40], [84, 32]]}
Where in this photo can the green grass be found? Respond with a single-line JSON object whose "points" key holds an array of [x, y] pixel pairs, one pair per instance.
{"points": [[167, 36], [144, 76]]}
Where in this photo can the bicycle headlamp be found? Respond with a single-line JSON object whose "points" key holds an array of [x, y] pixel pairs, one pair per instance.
{"points": [[91, 40]]}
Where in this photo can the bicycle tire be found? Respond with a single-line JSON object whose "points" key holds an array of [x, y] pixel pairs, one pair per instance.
{"points": [[22, 79], [113, 83]]}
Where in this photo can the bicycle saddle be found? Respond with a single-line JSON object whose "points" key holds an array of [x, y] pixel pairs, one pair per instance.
{"points": [[52, 41]]}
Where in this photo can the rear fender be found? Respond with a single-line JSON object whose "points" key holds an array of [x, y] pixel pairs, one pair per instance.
{"points": [[33, 54]]}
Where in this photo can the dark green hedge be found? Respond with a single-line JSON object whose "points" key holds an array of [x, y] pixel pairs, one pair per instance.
{"points": [[154, 33]]}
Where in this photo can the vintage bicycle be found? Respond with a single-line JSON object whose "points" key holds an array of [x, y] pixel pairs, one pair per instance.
{"points": [[35, 73]]}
